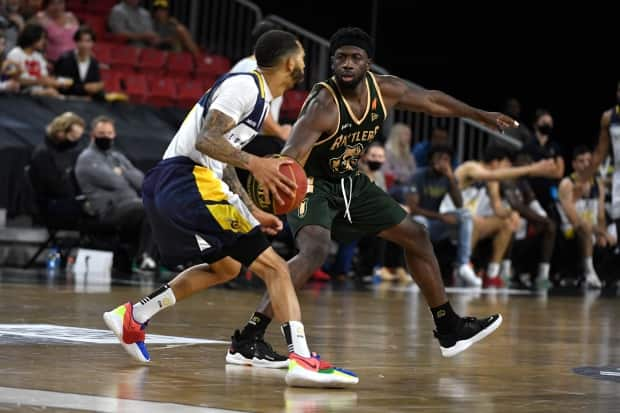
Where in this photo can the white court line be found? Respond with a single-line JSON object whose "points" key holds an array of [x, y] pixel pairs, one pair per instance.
{"points": [[89, 335], [84, 402]]}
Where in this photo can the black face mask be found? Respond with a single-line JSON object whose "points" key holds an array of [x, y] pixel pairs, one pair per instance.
{"points": [[374, 165], [545, 129], [66, 144], [103, 143]]}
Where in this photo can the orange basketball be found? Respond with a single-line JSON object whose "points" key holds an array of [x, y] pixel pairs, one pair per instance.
{"points": [[263, 199]]}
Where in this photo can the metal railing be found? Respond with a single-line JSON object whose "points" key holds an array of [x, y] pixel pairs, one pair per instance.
{"points": [[224, 27]]}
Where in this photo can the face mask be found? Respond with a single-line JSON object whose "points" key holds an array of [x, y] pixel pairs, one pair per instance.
{"points": [[545, 129], [103, 143], [374, 165], [66, 144]]}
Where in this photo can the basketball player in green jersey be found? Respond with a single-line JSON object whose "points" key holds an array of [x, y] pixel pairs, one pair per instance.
{"points": [[340, 118]]}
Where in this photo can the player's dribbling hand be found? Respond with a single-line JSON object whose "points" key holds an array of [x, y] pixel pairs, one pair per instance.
{"points": [[498, 121], [269, 223], [267, 173]]}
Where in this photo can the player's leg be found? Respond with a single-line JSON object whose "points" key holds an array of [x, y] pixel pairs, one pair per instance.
{"points": [[128, 321], [584, 235], [304, 370]]}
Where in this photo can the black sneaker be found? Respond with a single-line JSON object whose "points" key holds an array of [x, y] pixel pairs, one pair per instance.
{"points": [[254, 352], [472, 330]]}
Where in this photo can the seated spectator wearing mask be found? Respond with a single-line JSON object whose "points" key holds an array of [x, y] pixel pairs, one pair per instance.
{"points": [[112, 185], [81, 67], [52, 165]]}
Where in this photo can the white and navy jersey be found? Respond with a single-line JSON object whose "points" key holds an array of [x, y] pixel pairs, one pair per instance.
{"points": [[614, 134], [245, 97], [586, 207]]}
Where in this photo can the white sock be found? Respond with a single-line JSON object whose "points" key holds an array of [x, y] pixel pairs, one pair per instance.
{"points": [[506, 266], [543, 270], [493, 269], [296, 338], [589, 266], [153, 303]]}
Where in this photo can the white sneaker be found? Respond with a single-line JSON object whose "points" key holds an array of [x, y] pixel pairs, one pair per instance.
{"points": [[592, 280], [467, 274]]}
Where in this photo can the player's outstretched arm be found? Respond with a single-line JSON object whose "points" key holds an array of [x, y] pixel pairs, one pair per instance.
{"points": [[319, 116], [402, 95], [602, 147]]}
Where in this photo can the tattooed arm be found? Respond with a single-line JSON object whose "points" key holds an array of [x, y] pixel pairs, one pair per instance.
{"points": [[231, 178], [212, 142]]}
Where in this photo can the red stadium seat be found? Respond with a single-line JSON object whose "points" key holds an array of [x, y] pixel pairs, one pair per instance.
{"points": [[103, 52], [136, 87], [96, 22], [212, 65], [162, 92], [180, 64], [291, 104], [152, 61], [111, 81], [124, 58], [190, 92]]}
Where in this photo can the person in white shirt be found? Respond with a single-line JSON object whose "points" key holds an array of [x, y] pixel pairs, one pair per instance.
{"points": [[199, 212], [271, 126], [34, 77]]}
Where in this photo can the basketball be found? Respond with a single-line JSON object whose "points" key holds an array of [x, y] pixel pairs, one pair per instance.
{"points": [[262, 196]]}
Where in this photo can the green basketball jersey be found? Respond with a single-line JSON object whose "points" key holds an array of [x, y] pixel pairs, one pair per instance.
{"points": [[336, 155]]}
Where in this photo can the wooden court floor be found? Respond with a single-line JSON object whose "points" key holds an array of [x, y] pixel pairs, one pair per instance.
{"points": [[55, 355]]}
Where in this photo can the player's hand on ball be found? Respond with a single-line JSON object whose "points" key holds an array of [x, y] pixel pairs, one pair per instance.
{"points": [[267, 172], [269, 223]]}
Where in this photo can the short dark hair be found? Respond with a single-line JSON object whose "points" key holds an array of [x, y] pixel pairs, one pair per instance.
{"points": [[100, 119], [580, 150], [85, 29], [540, 113], [261, 28], [351, 36], [272, 46], [375, 144], [31, 34], [440, 148], [496, 152]]}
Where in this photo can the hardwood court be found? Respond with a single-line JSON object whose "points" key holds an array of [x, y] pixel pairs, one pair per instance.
{"points": [[384, 335]]}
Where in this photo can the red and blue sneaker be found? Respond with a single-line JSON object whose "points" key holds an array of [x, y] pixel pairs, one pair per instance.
{"points": [[314, 372], [128, 331]]}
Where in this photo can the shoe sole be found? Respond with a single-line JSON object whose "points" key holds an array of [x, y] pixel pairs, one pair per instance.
{"points": [[300, 377], [463, 345], [240, 360], [115, 324]]}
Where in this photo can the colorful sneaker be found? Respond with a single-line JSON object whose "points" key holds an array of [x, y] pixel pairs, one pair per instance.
{"points": [[314, 372], [471, 330], [129, 332], [493, 282], [254, 352]]}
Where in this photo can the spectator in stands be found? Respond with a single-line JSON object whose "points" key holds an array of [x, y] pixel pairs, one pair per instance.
{"points": [[582, 212], [52, 166], [439, 136], [81, 67], [534, 221], [11, 21], [543, 146], [271, 125], [112, 185], [33, 76], [7, 84], [60, 26], [129, 20], [173, 34], [426, 191], [29, 9], [512, 108], [399, 163], [478, 182]]}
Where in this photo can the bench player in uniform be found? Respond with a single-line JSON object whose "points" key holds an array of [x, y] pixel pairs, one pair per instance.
{"points": [[199, 211], [341, 117]]}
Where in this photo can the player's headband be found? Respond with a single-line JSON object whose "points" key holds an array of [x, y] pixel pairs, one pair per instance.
{"points": [[352, 40]]}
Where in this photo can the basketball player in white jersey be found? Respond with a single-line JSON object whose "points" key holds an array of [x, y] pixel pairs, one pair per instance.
{"points": [[200, 213]]}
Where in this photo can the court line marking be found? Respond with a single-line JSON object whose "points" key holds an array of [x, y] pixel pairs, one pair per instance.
{"points": [[89, 335], [85, 402]]}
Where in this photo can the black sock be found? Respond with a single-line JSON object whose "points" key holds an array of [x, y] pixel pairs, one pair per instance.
{"points": [[256, 326], [445, 318]]}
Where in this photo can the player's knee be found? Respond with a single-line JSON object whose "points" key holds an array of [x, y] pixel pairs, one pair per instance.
{"points": [[316, 252], [274, 270]]}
